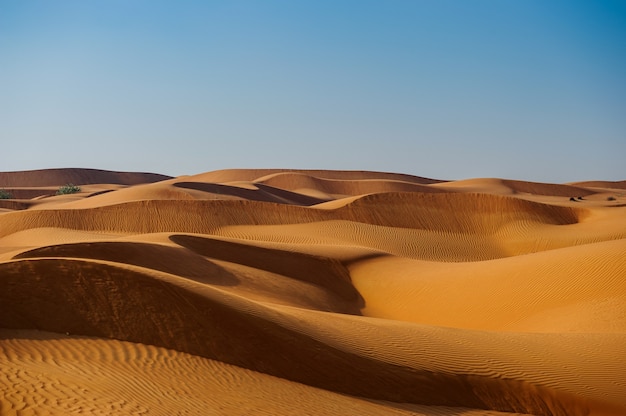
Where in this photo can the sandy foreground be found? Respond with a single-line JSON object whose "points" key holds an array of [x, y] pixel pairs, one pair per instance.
{"points": [[301, 292]]}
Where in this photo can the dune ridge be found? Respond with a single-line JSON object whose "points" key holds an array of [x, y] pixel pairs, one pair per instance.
{"points": [[233, 175], [82, 176], [240, 324], [312, 292], [300, 182], [602, 184], [437, 212]]}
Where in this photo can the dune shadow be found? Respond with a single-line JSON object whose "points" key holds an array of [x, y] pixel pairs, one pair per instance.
{"points": [[173, 260], [324, 272], [264, 193], [106, 301]]}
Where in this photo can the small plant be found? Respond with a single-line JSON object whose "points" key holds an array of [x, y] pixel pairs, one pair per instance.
{"points": [[5, 194], [68, 189], [611, 198]]}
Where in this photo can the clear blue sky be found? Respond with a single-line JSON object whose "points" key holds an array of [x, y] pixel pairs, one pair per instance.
{"points": [[523, 89]]}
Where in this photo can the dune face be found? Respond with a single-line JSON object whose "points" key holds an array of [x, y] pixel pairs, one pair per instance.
{"points": [[57, 177], [311, 292], [26, 188]]}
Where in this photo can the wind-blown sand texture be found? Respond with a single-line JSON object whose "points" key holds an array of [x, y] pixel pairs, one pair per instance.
{"points": [[291, 292]]}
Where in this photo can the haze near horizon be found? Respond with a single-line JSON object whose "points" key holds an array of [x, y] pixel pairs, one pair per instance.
{"points": [[527, 90]]}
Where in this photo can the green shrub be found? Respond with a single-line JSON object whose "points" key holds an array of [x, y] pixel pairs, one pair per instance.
{"points": [[5, 194], [68, 189]]}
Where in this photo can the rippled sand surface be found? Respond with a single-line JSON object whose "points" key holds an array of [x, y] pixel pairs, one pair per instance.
{"points": [[292, 292]]}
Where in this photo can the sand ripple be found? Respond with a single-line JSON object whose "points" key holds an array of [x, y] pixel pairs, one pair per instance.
{"points": [[311, 292]]}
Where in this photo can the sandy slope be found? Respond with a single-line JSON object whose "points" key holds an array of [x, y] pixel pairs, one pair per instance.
{"points": [[312, 292], [59, 177], [48, 373]]}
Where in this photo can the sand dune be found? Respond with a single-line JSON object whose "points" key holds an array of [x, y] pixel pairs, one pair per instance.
{"points": [[256, 192], [602, 184], [233, 175], [58, 177], [509, 187], [48, 373], [573, 289], [303, 183], [311, 292]]}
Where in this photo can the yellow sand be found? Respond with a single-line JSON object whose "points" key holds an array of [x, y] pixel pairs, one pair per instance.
{"points": [[295, 292]]}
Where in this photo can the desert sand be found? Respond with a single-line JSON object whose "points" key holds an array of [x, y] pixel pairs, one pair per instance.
{"points": [[294, 292]]}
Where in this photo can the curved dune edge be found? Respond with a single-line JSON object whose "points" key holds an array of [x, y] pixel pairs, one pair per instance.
{"points": [[236, 175], [379, 293], [513, 187], [61, 295], [460, 227], [290, 278], [82, 176], [464, 213], [263, 193], [574, 289], [601, 184], [56, 373], [300, 182]]}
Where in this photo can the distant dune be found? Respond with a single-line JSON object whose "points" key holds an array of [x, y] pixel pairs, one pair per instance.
{"points": [[25, 187], [57, 177], [602, 184], [290, 292]]}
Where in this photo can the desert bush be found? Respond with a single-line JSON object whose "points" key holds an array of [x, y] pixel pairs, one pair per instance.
{"points": [[5, 194], [611, 198], [68, 189]]}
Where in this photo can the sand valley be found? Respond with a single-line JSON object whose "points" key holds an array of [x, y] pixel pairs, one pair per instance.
{"points": [[295, 292]]}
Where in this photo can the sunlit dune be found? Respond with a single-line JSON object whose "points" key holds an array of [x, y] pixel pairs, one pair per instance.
{"points": [[290, 292]]}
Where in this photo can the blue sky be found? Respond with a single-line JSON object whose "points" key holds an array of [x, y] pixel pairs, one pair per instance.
{"points": [[523, 89]]}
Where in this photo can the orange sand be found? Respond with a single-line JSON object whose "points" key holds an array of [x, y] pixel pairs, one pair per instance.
{"points": [[290, 292]]}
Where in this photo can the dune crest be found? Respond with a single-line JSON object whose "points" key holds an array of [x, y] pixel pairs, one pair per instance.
{"points": [[308, 291], [82, 176]]}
